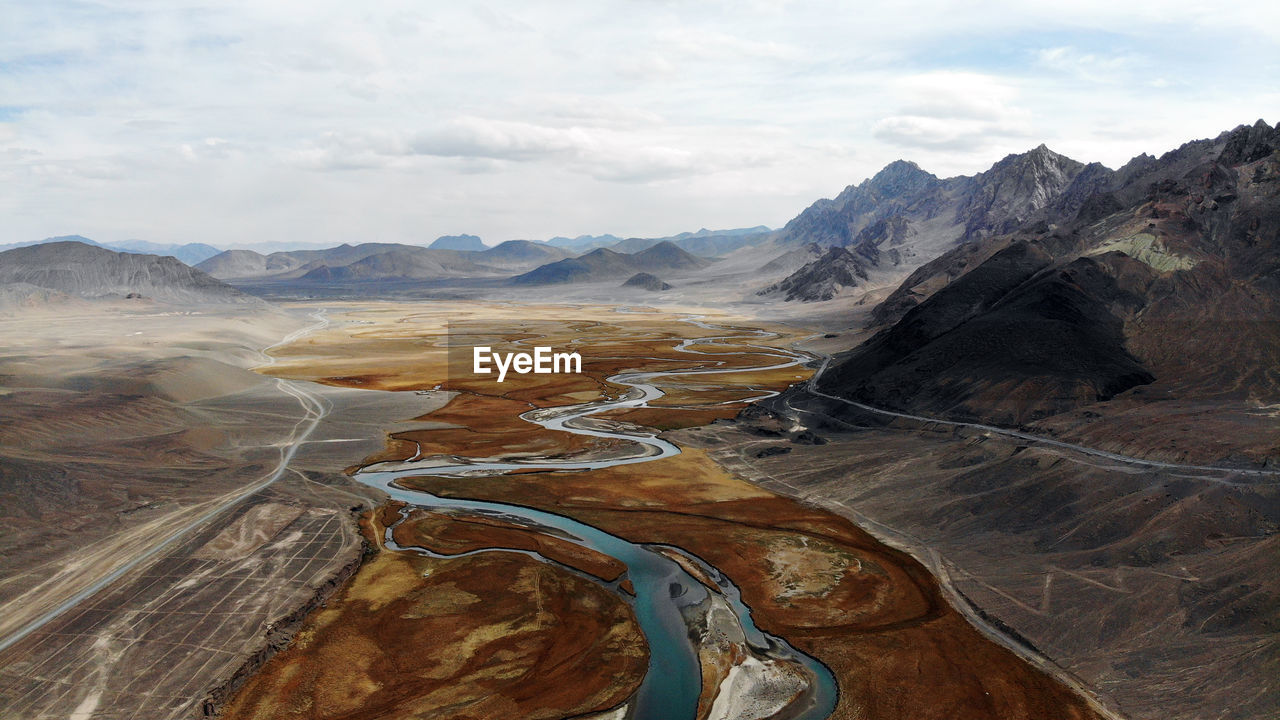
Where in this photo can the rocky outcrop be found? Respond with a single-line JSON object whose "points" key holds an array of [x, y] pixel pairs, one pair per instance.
{"points": [[646, 281], [823, 278], [904, 217], [900, 186], [1013, 190]]}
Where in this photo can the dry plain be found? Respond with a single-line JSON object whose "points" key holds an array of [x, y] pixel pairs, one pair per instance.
{"points": [[272, 598], [136, 453]]}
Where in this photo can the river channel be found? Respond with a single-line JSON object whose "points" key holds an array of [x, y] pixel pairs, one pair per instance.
{"points": [[672, 684]]}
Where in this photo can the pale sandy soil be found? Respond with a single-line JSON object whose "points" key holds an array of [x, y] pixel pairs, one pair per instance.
{"points": [[122, 423]]}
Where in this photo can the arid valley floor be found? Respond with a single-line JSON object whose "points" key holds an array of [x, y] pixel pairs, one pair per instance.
{"points": [[262, 585]]}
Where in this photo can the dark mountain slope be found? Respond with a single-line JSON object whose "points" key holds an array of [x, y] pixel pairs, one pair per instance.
{"points": [[599, 264], [822, 278], [646, 281], [1003, 344], [668, 256], [1093, 327]]}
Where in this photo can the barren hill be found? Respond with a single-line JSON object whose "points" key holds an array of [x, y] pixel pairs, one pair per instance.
{"points": [[77, 269], [603, 264]]}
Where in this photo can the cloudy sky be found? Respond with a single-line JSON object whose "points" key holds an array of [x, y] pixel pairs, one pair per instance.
{"points": [[234, 123]]}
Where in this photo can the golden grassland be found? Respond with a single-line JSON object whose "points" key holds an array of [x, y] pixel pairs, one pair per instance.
{"points": [[494, 635]]}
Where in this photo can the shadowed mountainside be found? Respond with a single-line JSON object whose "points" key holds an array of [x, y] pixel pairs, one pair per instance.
{"points": [[646, 281], [1162, 290]]}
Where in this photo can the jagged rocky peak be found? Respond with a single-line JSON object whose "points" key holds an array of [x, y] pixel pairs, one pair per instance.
{"points": [[836, 222], [1014, 188], [823, 278], [1247, 144], [1031, 178], [900, 178]]}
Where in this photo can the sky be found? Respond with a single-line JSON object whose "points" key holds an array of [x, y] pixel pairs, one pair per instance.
{"points": [[236, 122]]}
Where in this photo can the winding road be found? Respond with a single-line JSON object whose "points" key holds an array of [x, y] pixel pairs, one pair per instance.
{"points": [[811, 387], [314, 410]]}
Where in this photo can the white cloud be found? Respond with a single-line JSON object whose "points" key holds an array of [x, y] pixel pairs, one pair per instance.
{"points": [[216, 119], [502, 140], [955, 111], [603, 153], [1087, 66]]}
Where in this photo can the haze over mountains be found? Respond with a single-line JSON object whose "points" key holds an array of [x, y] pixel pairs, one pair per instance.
{"points": [[1026, 294], [870, 236], [374, 261], [189, 253], [867, 239]]}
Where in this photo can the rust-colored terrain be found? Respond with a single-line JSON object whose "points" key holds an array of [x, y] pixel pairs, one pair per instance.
{"points": [[411, 636], [494, 635]]}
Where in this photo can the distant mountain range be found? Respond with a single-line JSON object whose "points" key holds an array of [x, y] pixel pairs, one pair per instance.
{"points": [[381, 261], [75, 269], [603, 264], [708, 243], [189, 253], [902, 224], [583, 243], [448, 257], [704, 242]]}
